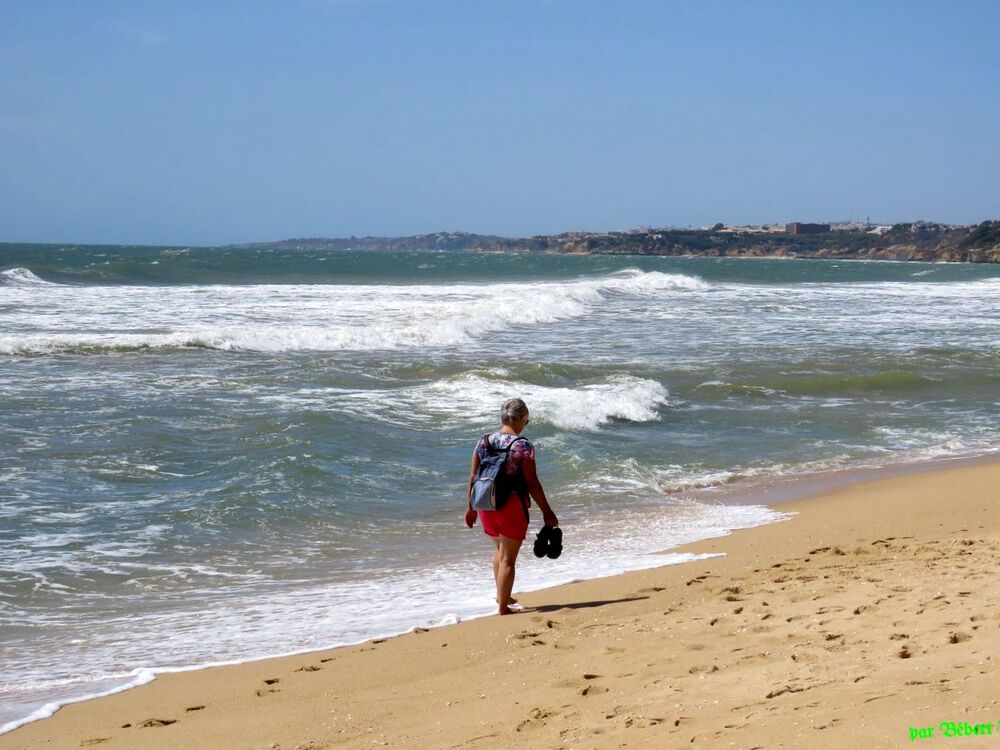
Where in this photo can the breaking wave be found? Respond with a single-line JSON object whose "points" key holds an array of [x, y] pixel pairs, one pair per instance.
{"points": [[473, 398], [22, 277], [270, 318]]}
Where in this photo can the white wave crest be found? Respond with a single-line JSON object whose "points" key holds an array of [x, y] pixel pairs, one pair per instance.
{"points": [[21, 276], [634, 281], [277, 318], [475, 398], [584, 408]]}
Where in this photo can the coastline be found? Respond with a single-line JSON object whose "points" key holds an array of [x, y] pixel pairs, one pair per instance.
{"points": [[775, 490], [669, 639]]}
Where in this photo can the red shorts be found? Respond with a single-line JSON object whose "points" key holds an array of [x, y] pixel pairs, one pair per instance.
{"points": [[510, 521]]}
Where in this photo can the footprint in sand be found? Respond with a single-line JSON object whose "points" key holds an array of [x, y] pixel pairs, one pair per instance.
{"points": [[189, 709], [550, 624], [585, 685], [95, 741], [309, 668], [536, 718], [958, 637], [528, 638], [156, 723], [704, 669], [785, 689], [828, 725], [269, 682]]}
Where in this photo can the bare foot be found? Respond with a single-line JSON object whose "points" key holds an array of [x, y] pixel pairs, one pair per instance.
{"points": [[512, 600]]}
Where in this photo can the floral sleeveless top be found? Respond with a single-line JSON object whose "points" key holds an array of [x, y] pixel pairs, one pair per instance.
{"points": [[522, 451]]}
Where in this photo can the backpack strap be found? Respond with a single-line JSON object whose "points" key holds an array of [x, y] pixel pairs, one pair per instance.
{"points": [[488, 444], [511, 443]]}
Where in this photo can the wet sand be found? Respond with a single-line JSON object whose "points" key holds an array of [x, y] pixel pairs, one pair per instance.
{"points": [[869, 618]]}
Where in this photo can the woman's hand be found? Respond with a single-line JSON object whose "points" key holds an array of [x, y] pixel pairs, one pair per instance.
{"points": [[470, 517], [549, 518]]}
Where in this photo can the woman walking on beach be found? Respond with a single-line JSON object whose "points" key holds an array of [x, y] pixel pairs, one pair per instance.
{"points": [[508, 526]]}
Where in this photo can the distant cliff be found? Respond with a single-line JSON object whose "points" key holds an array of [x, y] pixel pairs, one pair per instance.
{"points": [[920, 241]]}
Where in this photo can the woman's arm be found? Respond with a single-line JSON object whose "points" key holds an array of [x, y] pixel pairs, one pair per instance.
{"points": [[537, 493], [470, 514]]}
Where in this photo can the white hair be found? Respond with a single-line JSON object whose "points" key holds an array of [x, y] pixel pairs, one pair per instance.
{"points": [[513, 410]]}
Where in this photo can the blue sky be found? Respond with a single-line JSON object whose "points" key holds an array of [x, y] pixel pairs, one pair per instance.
{"points": [[217, 122]]}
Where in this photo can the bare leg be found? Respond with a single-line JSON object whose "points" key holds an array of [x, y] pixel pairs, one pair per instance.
{"points": [[506, 557], [496, 570], [496, 562]]}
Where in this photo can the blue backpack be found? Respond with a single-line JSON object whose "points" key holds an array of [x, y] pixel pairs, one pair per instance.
{"points": [[492, 487]]}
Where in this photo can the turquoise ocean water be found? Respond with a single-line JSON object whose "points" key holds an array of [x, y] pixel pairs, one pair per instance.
{"points": [[212, 455]]}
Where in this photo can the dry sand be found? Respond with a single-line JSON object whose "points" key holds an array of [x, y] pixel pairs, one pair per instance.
{"points": [[871, 612]]}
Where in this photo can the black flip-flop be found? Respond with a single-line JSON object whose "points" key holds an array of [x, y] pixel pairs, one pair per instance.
{"points": [[548, 543], [555, 543], [542, 541]]}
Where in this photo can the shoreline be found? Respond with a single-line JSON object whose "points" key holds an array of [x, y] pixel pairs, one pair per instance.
{"points": [[775, 490], [732, 547]]}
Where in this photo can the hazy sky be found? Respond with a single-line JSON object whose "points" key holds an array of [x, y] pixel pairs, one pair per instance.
{"points": [[212, 122]]}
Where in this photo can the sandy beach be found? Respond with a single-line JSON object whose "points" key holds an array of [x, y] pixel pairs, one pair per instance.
{"points": [[868, 618]]}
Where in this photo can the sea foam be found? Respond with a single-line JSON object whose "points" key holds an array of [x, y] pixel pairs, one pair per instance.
{"points": [[279, 318], [472, 398]]}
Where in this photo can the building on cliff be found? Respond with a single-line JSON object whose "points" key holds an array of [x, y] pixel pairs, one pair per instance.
{"points": [[797, 227]]}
